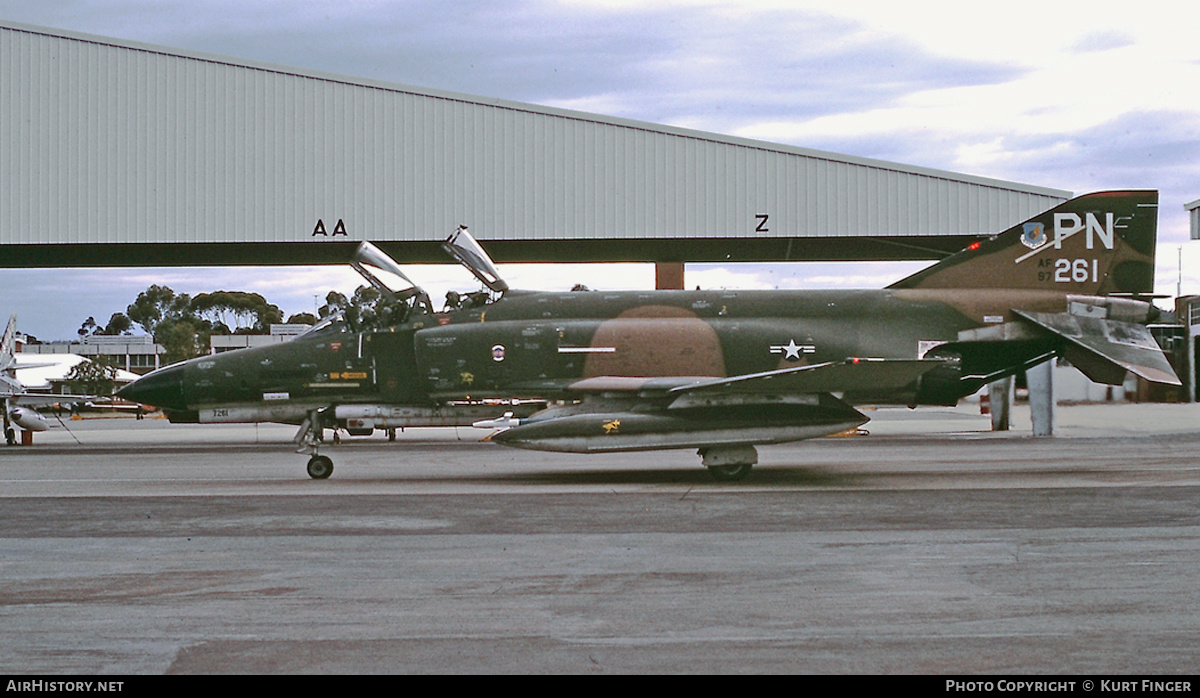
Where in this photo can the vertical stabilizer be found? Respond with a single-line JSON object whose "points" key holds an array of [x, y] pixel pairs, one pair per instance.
{"points": [[1096, 244], [8, 345]]}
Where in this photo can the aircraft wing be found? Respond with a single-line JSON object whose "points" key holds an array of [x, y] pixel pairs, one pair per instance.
{"points": [[41, 399], [848, 375], [26, 367]]}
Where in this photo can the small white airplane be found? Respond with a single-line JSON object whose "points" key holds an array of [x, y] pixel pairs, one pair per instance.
{"points": [[13, 391]]}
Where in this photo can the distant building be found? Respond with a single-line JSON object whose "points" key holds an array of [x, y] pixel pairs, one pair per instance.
{"points": [[1193, 210], [139, 354], [219, 343], [134, 353], [47, 373]]}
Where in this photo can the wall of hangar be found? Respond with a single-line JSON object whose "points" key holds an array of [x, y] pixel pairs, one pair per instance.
{"points": [[113, 152]]}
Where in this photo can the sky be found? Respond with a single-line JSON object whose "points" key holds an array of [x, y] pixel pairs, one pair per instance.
{"points": [[1043, 93]]}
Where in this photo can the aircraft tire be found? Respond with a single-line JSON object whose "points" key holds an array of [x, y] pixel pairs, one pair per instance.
{"points": [[730, 473], [10, 436], [320, 467]]}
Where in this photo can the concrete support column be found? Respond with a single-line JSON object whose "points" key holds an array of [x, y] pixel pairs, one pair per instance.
{"points": [[1000, 397], [668, 276], [1190, 361], [1040, 380]]}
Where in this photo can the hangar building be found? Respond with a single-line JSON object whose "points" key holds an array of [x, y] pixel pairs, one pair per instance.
{"points": [[115, 153]]}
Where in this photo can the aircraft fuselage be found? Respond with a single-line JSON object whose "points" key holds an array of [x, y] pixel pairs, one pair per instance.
{"points": [[536, 345]]}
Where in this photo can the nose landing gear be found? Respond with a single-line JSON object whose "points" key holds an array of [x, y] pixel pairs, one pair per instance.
{"points": [[308, 438]]}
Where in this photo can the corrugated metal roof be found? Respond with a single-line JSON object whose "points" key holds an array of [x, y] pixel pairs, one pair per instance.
{"points": [[109, 141]]}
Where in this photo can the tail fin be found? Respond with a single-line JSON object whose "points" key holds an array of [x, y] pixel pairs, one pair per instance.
{"points": [[8, 345], [1096, 244]]}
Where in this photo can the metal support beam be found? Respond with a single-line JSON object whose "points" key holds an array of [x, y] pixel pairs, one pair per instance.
{"points": [[668, 276], [1040, 380]]}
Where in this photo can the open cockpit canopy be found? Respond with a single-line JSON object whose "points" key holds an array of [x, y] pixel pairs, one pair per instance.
{"points": [[383, 273], [461, 246], [400, 297]]}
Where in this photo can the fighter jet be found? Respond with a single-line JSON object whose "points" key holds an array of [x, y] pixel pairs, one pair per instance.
{"points": [[718, 371]]}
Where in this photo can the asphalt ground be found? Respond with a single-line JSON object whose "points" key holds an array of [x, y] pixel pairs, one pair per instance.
{"points": [[930, 545]]}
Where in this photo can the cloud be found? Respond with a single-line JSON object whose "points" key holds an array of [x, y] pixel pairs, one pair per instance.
{"points": [[1102, 41], [726, 71]]}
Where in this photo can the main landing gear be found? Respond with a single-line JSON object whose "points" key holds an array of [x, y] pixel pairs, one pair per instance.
{"points": [[320, 467], [308, 439], [10, 434], [728, 463]]}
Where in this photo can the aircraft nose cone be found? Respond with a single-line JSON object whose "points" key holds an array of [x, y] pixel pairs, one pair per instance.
{"points": [[161, 388]]}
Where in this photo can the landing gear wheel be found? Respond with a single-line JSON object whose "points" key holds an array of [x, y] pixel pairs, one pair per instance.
{"points": [[728, 463], [729, 473], [10, 436], [320, 467]]}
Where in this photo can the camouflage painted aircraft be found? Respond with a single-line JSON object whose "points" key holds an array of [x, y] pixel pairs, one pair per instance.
{"points": [[719, 371]]}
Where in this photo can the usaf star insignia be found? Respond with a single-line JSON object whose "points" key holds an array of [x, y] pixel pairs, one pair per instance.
{"points": [[792, 351]]}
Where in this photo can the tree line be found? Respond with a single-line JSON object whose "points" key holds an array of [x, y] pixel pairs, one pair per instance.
{"points": [[184, 324]]}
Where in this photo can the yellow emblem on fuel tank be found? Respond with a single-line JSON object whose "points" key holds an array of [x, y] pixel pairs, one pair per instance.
{"points": [[612, 427]]}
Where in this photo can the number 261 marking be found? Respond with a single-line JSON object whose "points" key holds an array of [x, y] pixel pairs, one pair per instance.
{"points": [[1076, 270]]}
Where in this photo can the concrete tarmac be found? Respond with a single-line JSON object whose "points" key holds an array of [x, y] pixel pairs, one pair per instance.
{"points": [[930, 545]]}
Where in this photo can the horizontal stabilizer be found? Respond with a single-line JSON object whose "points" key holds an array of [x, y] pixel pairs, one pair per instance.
{"points": [[1105, 349], [849, 375]]}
